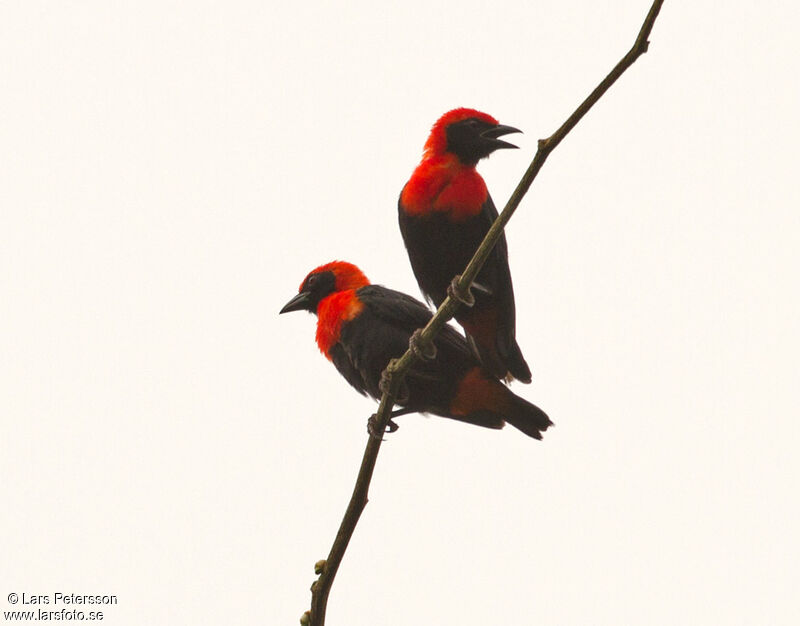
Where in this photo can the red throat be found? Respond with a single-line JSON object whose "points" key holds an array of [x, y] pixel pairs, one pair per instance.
{"points": [[444, 185], [332, 313], [339, 307]]}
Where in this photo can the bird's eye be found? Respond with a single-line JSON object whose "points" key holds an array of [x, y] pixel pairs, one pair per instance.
{"points": [[311, 280]]}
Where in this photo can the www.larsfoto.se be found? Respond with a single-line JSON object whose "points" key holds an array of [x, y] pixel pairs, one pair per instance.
{"points": [[44, 615]]}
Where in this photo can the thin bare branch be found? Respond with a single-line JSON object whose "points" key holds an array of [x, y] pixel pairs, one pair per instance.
{"points": [[397, 368]]}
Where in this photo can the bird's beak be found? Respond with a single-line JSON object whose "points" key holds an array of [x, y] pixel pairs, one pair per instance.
{"points": [[494, 132], [298, 303]]}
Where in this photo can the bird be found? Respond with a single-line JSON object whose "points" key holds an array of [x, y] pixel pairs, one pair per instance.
{"points": [[361, 327], [445, 211]]}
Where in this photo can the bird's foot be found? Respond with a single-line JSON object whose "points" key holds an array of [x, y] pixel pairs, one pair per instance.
{"points": [[464, 297], [386, 378], [426, 354], [373, 430], [384, 385]]}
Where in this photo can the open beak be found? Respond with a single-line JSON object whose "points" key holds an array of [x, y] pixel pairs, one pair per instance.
{"points": [[493, 133], [298, 303]]}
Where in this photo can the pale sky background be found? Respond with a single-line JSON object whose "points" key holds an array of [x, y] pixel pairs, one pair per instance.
{"points": [[169, 173]]}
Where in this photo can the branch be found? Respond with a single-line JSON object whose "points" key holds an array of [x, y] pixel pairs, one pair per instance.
{"points": [[398, 368]]}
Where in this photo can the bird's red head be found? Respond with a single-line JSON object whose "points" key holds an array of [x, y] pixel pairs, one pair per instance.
{"points": [[467, 133], [321, 282], [437, 141], [346, 275]]}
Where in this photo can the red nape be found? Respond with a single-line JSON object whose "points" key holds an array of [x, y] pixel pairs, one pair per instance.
{"points": [[332, 313], [444, 185], [348, 276], [476, 392], [437, 140]]}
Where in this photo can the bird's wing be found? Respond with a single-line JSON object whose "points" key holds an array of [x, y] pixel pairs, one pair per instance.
{"points": [[341, 359], [498, 274], [407, 314]]}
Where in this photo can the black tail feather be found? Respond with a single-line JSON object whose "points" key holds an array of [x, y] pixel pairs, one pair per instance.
{"points": [[528, 418], [509, 352], [504, 361]]}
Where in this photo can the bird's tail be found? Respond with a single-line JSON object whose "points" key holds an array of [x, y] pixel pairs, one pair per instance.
{"points": [[494, 345], [527, 417], [504, 362], [485, 401], [515, 362]]}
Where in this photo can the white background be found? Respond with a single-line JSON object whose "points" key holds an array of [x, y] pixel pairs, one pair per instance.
{"points": [[169, 173]]}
